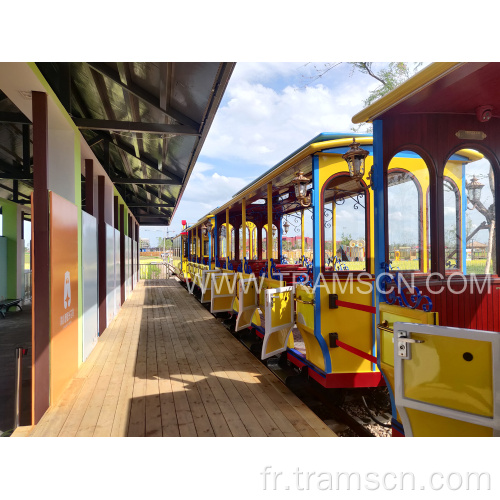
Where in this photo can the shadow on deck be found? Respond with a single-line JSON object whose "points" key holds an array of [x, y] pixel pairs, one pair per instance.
{"points": [[166, 367]]}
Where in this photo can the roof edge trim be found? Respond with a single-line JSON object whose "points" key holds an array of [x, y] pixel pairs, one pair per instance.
{"points": [[415, 84], [310, 149]]}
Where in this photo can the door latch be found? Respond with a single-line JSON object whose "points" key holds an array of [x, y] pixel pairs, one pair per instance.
{"points": [[403, 345]]}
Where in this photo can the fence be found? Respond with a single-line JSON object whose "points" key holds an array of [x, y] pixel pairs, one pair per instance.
{"points": [[157, 271]]}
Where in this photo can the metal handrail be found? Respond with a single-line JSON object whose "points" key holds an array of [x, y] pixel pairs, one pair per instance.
{"points": [[384, 326], [304, 301]]}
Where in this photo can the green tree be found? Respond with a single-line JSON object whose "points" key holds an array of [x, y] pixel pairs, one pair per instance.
{"points": [[345, 239], [390, 77], [168, 243]]}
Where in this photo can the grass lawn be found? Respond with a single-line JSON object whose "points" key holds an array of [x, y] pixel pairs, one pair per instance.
{"points": [[149, 260]]}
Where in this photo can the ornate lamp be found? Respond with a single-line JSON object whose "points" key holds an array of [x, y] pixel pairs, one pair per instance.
{"points": [[207, 228], [474, 188], [300, 183], [355, 159], [286, 226]]}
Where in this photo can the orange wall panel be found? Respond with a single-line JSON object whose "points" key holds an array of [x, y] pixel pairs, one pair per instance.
{"points": [[63, 294]]}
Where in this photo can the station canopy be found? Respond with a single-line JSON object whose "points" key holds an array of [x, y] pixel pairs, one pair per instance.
{"points": [[145, 122]]}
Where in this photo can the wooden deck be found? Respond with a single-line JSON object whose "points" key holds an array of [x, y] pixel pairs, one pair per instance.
{"points": [[166, 367]]}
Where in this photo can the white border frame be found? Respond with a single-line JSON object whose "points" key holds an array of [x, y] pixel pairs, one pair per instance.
{"points": [[268, 316], [213, 277], [445, 331], [242, 309]]}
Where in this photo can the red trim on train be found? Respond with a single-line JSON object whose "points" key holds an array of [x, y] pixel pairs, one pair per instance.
{"points": [[396, 433], [358, 307], [357, 352], [340, 380]]}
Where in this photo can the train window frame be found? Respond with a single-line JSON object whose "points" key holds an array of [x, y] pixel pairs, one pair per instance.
{"points": [[419, 188], [367, 197], [496, 173], [458, 221]]}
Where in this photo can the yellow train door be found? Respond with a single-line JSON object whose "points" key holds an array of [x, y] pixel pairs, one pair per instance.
{"points": [[279, 320], [445, 380], [247, 303]]}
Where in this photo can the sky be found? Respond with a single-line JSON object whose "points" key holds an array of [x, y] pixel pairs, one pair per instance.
{"points": [[267, 112]]}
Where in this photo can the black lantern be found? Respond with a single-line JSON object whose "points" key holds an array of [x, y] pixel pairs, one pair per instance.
{"points": [[300, 182], [474, 188], [286, 226], [355, 159]]}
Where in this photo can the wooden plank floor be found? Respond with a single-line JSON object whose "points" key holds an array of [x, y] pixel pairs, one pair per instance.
{"points": [[166, 367]]}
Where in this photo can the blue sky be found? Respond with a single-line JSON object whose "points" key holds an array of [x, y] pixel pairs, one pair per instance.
{"points": [[268, 111]]}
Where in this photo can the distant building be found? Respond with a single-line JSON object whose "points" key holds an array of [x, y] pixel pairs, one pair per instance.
{"points": [[144, 243]]}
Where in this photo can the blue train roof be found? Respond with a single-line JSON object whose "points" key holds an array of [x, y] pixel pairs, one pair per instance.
{"points": [[323, 137]]}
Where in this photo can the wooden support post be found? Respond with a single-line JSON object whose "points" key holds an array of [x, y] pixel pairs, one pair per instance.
{"points": [[89, 187], [115, 212], [101, 238], [138, 240], [132, 248], [41, 260], [122, 253]]}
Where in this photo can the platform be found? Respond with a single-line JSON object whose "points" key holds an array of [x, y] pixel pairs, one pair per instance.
{"points": [[166, 367]]}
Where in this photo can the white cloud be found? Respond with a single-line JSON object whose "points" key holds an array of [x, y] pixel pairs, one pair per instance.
{"points": [[265, 117], [204, 193], [202, 167]]}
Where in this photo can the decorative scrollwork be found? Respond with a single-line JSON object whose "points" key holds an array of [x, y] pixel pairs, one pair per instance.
{"points": [[338, 264], [400, 293], [247, 268], [341, 195]]}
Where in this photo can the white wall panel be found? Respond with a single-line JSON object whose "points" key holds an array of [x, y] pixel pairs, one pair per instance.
{"points": [[90, 283], [110, 273]]}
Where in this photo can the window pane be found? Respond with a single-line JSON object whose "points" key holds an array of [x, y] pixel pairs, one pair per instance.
{"points": [[344, 225], [409, 245], [480, 227]]}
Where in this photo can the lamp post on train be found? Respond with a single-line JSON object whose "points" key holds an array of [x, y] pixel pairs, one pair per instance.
{"points": [[355, 159], [286, 226], [300, 182]]}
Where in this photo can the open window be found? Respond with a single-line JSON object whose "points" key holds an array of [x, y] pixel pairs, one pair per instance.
{"points": [[408, 235], [275, 242], [469, 214], [224, 234], [345, 224]]}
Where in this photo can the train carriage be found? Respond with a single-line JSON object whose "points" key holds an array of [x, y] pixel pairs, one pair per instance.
{"points": [[392, 292]]}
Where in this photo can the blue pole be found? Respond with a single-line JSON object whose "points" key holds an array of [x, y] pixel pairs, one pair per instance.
{"points": [[209, 249], [379, 234], [216, 240], [317, 209]]}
